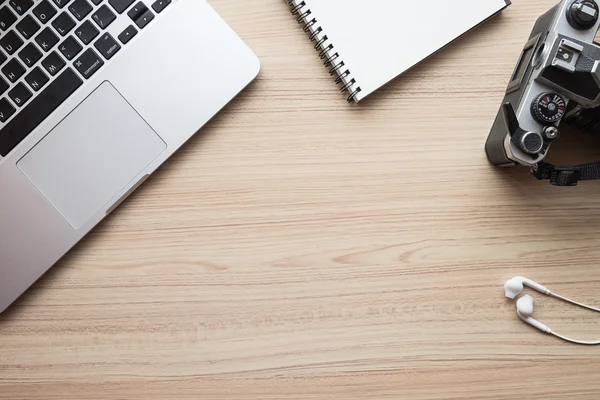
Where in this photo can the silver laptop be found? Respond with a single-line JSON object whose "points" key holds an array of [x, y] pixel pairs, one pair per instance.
{"points": [[94, 96]]}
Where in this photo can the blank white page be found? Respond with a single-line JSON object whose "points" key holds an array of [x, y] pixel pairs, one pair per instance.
{"points": [[380, 39]]}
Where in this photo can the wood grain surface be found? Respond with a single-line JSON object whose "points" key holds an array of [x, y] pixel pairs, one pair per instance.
{"points": [[302, 248]]}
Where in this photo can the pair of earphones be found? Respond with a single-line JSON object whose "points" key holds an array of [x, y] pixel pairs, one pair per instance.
{"points": [[514, 287]]}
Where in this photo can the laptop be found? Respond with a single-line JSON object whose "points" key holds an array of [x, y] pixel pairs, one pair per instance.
{"points": [[94, 96]]}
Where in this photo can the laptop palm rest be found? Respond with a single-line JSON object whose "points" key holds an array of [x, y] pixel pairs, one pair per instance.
{"points": [[91, 155]]}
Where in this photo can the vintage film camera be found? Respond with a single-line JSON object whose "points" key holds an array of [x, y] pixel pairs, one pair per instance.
{"points": [[557, 79]]}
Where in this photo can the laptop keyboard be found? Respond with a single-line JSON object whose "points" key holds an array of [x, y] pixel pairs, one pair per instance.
{"points": [[49, 48]]}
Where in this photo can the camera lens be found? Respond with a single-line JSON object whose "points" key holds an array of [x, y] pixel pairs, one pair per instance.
{"points": [[582, 14]]}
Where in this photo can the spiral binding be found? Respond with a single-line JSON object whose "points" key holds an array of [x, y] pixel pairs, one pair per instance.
{"points": [[326, 49]]}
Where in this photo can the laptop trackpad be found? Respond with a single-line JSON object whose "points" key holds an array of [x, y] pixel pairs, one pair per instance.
{"points": [[91, 155]]}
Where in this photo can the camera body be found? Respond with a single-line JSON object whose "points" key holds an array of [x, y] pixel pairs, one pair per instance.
{"points": [[557, 79]]}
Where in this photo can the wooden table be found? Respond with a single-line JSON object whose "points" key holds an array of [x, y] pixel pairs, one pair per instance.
{"points": [[302, 248]]}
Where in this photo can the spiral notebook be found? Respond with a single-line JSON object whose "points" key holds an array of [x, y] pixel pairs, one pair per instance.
{"points": [[367, 43]]}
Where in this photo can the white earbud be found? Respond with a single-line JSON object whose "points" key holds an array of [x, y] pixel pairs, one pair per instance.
{"points": [[514, 286], [525, 305], [524, 311]]}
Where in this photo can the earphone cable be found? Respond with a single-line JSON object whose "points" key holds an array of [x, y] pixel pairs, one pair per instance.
{"points": [[565, 338], [557, 296], [584, 342]]}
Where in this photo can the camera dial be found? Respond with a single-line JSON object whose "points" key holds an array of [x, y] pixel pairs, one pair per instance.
{"points": [[583, 14], [548, 108]]}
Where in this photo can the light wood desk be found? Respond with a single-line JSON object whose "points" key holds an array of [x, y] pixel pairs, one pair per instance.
{"points": [[303, 248]]}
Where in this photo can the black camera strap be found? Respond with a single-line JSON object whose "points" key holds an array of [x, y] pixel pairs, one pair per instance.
{"points": [[567, 176]]}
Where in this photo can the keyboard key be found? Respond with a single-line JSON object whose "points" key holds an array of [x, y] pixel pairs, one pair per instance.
{"points": [[145, 19], [11, 42], [46, 39], [80, 9], [86, 32], [127, 34], [30, 55], [36, 79], [3, 58], [107, 46], [13, 70], [137, 11], [88, 63], [21, 6], [103, 17], [160, 5], [61, 3], [3, 86], [96, 2], [63, 23], [44, 11], [19, 94], [7, 18], [70, 48], [6, 110], [120, 5], [53, 63], [27, 27], [37, 110]]}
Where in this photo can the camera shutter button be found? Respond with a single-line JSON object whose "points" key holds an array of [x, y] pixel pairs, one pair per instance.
{"points": [[548, 108]]}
